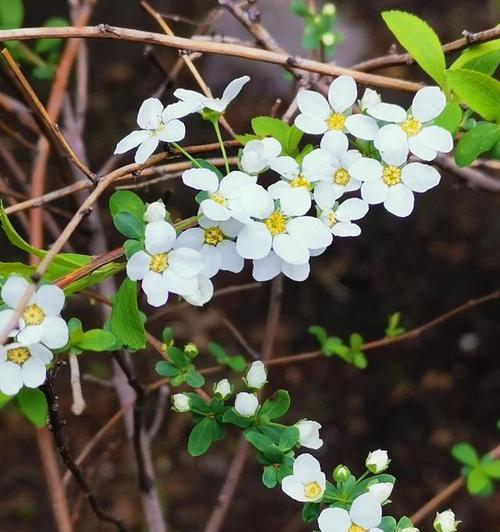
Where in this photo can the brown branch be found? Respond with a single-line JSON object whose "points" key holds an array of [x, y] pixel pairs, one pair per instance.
{"points": [[471, 175], [239, 337]]}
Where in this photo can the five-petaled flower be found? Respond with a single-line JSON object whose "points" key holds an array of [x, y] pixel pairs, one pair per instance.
{"points": [[258, 155], [364, 515], [308, 482], [338, 217], [309, 434]]}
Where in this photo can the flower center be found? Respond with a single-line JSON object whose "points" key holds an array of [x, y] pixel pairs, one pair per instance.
{"points": [[276, 223], [312, 490], [213, 235], [158, 262], [336, 122], [218, 198], [356, 528], [331, 219], [300, 181], [18, 355], [341, 177], [411, 126], [391, 175], [33, 315]]}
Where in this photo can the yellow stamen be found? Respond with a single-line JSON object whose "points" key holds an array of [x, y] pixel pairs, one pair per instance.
{"points": [[336, 122], [301, 181], [356, 528], [158, 262], [18, 355], [411, 126], [331, 219], [218, 198], [391, 175], [341, 177], [213, 235], [312, 490], [33, 315], [276, 223]]}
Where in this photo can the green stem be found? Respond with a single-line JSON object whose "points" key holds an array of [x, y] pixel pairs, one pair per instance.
{"points": [[187, 222], [186, 154], [30, 56], [364, 475], [221, 142]]}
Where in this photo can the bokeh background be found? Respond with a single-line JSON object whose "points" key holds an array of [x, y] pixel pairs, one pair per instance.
{"points": [[415, 399]]}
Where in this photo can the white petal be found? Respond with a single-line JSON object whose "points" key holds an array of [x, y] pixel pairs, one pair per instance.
{"points": [[229, 259], [418, 148], [5, 317], [391, 138], [149, 115], [180, 285], [214, 211], [420, 177], [374, 192], [178, 110], [211, 260], [203, 292], [395, 157], [361, 126], [254, 241], [286, 166], [174, 131], [234, 182], [196, 99], [344, 229], [317, 165], [185, 262], [306, 468], [295, 201], [230, 228], [40, 351], [138, 265], [334, 520], [366, 511], [351, 209], [156, 289], [233, 89], [290, 250], [51, 299], [335, 143], [278, 188], [13, 290], [437, 138], [201, 179], [159, 237], [310, 124], [399, 200], [313, 105], [428, 103], [256, 201], [387, 112], [267, 268], [34, 372], [310, 231], [349, 158], [10, 378], [294, 488], [366, 169], [191, 238], [342, 93], [31, 334], [132, 140], [145, 150], [55, 332], [272, 147], [325, 195], [296, 272]]}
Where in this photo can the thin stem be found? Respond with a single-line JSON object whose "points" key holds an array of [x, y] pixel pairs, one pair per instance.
{"points": [[363, 476], [221, 143], [186, 154]]}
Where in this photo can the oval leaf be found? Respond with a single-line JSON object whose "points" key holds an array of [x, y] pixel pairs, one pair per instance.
{"points": [[479, 139], [201, 437]]}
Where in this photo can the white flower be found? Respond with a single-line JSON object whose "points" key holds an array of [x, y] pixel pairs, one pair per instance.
{"points": [[256, 375], [283, 229], [370, 99], [381, 491], [308, 482], [213, 240], [365, 514], [319, 115], [377, 461], [309, 434], [223, 197], [338, 218], [202, 293], [156, 123], [246, 404], [339, 178], [163, 269], [445, 522], [155, 212], [40, 320], [257, 155], [199, 101], [392, 182], [181, 402], [270, 266], [413, 130], [22, 364], [409, 529], [223, 388]]}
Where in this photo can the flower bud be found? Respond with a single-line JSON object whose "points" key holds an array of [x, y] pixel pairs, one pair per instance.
{"points": [[309, 434], [369, 99], [445, 522], [341, 473], [182, 403], [256, 375], [328, 38], [246, 404], [328, 9], [155, 212], [377, 461], [381, 491], [223, 388], [191, 350]]}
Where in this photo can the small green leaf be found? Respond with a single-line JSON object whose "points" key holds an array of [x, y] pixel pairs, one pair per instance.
{"points": [[483, 57], [388, 524], [359, 360], [299, 8], [420, 41], [293, 138], [450, 118], [195, 380], [236, 363], [310, 512], [269, 477], [232, 417], [11, 14], [289, 438], [319, 333], [492, 469], [201, 437], [477, 140], [126, 201], [465, 453], [178, 358], [132, 246], [477, 481], [129, 225], [97, 340], [277, 405], [165, 369], [267, 126], [246, 138], [258, 440], [33, 405]]}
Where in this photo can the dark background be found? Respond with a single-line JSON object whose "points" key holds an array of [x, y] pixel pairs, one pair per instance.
{"points": [[415, 399]]}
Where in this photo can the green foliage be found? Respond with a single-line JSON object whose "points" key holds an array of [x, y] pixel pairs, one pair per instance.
{"points": [[11, 14], [420, 41], [481, 138], [126, 322], [483, 57], [201, 437], [179, 368], [451, 117], [33, 405], [236, 363], [479, 472], [394, 328], [479, 91], [388, 524], [310, 512], [276, 406], [127, 210], [335, 346], [404, 522], [97, 340]]}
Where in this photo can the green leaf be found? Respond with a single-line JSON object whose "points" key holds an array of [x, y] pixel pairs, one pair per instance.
{"points": [[359, 360], [267, 126], [319, 333], [97, 276], [246, 138], [258, 440], [7, 268], [299, 8], [269, 477], [129, 225], [178, 358], [388, 524], [11, 14], [477, 481], [312, 37], [195, 379], [126, 322], [356, 341], [201, 437], [126, 201], [289, 438], [450, 118], [165, 369], [43, 46], [44, 72], [277, 405], [75, 331], [465, 453], [132, 246], [217, 351], [232, 417], [236, 363], [310, 512], [293, 138], [483, 57], [477, 140], [33, 405], [404, 522], [479, 91], [97, 340], [420, 41], [492, 469]]}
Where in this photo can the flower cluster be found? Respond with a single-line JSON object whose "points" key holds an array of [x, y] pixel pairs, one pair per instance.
{"points": [[40, 329]]}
